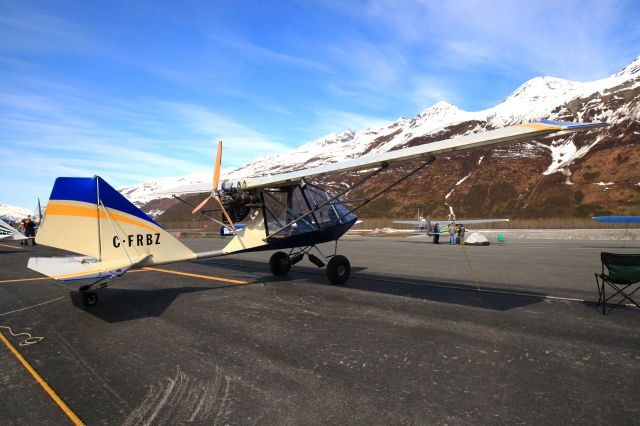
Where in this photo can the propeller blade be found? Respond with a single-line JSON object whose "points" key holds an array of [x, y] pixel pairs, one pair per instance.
{"points": [[216, 179], [224, 211], [201, 205], [216, 169]]}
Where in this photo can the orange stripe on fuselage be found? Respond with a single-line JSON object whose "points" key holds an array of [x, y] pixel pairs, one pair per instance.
{"points": [[71, 210]]}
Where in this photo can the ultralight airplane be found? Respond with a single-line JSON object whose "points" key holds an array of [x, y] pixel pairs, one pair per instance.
{"points": [[9, 233], [281, 212]]}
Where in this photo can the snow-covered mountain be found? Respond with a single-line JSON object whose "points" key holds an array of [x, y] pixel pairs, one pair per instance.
{"points": [[13, 214], [613, 100]]}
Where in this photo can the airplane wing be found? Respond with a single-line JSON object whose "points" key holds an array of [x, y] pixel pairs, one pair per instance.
{"points": [[446, 222], [8, 232], [468, 221], [491, 137]]}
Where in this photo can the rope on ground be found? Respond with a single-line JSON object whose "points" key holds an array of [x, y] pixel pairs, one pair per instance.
{"points": [[30, 340], [473, 274], [32, 306]]}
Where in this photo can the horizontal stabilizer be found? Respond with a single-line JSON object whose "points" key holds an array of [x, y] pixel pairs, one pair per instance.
{"points": [[9, 233], [81, 267]]}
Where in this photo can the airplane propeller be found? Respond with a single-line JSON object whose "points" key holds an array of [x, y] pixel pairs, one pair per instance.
{"points": [[214, 194]]}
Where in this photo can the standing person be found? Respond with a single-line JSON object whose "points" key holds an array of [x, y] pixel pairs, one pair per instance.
{"points": [[30, 230], [452, 233], [436, 234], [461, 233], [21, 229]]}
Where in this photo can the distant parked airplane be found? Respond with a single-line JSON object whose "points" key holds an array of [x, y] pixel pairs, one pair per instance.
{"points": [[427, 225]]}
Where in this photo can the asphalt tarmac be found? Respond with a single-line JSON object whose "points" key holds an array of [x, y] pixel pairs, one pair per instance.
{"points": [[419, 335]]}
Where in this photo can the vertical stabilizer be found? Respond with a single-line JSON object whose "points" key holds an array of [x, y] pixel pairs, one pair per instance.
{"points": [[88, 216]]}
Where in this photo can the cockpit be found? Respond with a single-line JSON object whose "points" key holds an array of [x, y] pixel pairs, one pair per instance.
{"points": [[301, 209]]}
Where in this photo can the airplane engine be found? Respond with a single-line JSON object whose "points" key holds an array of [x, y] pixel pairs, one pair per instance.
{"points": [[238, 203]]}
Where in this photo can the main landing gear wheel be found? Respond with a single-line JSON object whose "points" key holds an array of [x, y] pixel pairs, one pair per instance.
{"points": [[89, 298], [338, 269], [280, 263]]}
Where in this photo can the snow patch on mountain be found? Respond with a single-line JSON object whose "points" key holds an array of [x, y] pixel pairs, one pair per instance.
{"points": [[561, 153], [565, 152], [463, 179]]}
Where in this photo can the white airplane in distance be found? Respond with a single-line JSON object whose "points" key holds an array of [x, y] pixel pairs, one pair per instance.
{"points": [[9, 233], [281, 212], [427, 224]]}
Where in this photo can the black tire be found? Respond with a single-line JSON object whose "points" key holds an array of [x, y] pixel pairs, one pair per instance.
{"points": [[280, 263], [338, 269], [89, 299]]}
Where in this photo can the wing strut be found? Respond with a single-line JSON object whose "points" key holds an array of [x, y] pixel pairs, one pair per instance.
{"points": [[426, 162]]}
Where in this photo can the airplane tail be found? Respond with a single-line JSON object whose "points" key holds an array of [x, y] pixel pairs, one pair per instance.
{"points": [[88, 216]]}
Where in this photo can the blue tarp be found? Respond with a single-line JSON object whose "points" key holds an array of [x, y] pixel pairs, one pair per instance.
{"points": [[617, 219]]}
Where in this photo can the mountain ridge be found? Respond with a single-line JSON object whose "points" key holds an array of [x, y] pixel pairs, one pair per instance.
{"points": [[613, 99]]}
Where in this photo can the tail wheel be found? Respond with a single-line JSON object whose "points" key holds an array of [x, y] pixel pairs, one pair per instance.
{"points": [[89, 299], [280, 263], [338, 269]]}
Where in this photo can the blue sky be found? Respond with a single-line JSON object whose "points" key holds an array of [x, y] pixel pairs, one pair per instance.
{"points": [[133, 90]]}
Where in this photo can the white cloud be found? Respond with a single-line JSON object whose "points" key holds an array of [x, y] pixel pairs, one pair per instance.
{"points": [[428, 90], [46, 136], [329, 120], [25, 30], [577, 39]]}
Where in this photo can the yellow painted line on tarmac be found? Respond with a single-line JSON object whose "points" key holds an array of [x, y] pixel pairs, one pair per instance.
{"points": [[206, 277], [63, 406], [10, 246], [25, 279]]}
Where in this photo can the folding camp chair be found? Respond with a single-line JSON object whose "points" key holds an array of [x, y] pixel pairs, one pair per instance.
{"points": [[623, 274]]}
